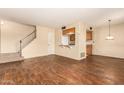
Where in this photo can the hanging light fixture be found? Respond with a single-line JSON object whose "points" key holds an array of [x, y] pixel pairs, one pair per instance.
{"points": [[109, 37], [1, 22]]}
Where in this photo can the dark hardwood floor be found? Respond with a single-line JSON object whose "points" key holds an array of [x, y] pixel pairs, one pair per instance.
{"points": [[60, 70]]}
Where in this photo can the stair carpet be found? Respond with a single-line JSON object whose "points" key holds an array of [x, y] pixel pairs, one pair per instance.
{"points": [[10, 57]]}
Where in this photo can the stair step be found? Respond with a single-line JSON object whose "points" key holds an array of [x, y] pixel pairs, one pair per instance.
{"points": [[10, 57]]}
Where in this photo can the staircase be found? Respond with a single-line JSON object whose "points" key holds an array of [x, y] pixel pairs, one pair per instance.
{"points": [[10, 57], [13, 57]]}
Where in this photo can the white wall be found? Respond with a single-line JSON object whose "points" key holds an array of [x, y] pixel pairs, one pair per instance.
{"points": [[11, 33], [112, 48], [39, 47], [82, 40], [76, 49], [0, 37]]}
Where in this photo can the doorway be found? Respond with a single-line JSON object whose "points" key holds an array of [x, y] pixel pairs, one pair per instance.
{"points": [[51, 42], [89, 43]]}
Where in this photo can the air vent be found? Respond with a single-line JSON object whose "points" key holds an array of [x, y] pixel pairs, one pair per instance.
{"points": [[82, 54]]}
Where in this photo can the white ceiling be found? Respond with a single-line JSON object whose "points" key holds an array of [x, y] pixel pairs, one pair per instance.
{"points": [[57, 17]]}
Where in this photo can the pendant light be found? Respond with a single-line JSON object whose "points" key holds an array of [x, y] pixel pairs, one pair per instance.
{"points": [[109, 37], [1, 22]]}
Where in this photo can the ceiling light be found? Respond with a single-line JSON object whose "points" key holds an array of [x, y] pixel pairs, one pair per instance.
{"points": [[1, 22], [109, 37], [70, 33]]}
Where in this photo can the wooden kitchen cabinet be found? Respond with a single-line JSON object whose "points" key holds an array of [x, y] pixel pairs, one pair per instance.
{"points": [[89, 35]]}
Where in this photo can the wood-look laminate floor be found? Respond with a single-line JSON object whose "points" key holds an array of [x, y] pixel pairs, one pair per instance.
{"points": [[60, 70]]}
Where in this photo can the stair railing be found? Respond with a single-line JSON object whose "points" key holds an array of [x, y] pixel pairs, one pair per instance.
{"points": [[26, 40]]}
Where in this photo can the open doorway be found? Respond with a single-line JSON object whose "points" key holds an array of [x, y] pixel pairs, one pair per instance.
{"points": [[89, 42]]}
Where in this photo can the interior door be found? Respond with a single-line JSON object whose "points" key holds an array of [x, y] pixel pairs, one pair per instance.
{"points": [[50, 42]]}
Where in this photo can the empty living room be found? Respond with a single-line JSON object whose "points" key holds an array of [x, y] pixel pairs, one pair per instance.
{"points": [[61, 46]]}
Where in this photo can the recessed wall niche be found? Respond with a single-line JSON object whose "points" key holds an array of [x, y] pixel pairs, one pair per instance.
{"points": [[68, 36]]}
